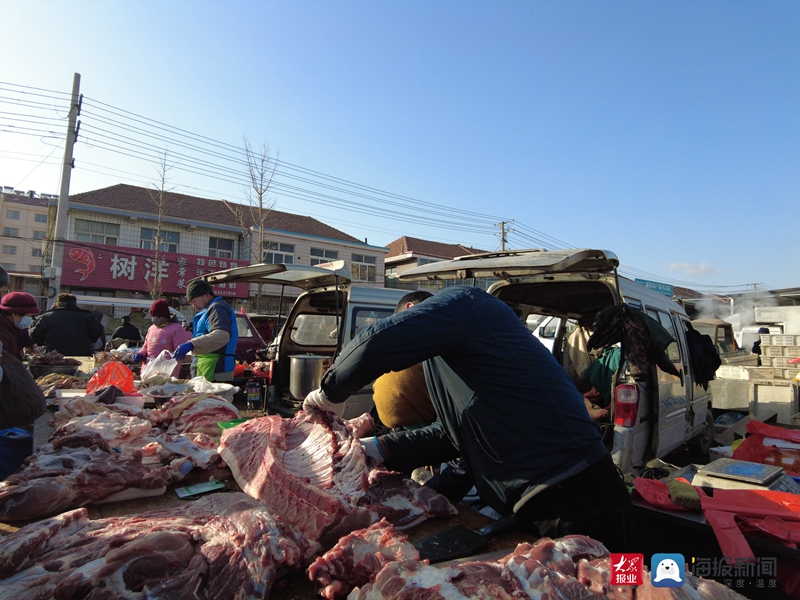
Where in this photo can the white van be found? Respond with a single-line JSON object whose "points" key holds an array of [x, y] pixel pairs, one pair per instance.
{"points": [[650, 418], [323, 319]]}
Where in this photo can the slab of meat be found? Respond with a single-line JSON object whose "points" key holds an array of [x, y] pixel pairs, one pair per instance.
{"points": [[68, 478], [195, 412], [357, 557], [569, 568], [119, 431], [223, 546], [312, 471]]}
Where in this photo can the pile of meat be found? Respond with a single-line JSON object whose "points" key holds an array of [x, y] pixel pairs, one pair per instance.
{"points": [[53, 359], [112, 452], [378, 563], [223, 546], [312, 470]]}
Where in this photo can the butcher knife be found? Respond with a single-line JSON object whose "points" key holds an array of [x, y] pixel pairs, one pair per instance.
{"points": [[458, 541]]}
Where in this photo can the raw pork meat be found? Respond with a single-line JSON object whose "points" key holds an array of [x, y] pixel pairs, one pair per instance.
{"points": [[572, 567], [312, 471], [197, 413], [357, 558], [119, 431], [223, 546], [70, 477]]}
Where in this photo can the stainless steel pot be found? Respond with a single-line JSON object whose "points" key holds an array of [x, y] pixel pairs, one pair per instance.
{"points": [[305, 374]]}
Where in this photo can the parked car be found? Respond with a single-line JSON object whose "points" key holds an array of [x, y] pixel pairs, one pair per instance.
{"points": [[328, 313], [650, 418], [250, 341]]}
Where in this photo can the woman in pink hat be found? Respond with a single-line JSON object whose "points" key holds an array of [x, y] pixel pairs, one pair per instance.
{"points": [[16, 309], [164, 334]]}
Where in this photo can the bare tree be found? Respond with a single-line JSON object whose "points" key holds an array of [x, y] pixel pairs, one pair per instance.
{"points": [[159, 197], [252, 217]]}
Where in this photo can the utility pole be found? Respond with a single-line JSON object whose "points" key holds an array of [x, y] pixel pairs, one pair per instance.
{"points": [[63, 195], [503, 232]]}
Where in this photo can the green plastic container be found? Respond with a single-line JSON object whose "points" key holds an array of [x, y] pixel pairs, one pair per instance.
{"points": [[229, 424]]}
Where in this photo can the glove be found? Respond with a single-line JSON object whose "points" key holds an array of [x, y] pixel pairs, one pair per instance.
{"points": [[138, 357], [318, 399], [182, 350], [372, 449]]}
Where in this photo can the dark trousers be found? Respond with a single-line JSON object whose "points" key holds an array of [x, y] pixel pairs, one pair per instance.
{"points": [[595, 503]]}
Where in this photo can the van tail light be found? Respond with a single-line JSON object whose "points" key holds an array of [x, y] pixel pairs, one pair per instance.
{"points": [[626, 405]]}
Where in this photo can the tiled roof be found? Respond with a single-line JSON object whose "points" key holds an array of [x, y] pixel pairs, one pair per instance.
{"points": [[410, 245], [131, 199]]}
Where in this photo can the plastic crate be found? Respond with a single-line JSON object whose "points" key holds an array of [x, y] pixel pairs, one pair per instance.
{"points": [[781, 362], [792, 351], [783, 340], [772, 350]]}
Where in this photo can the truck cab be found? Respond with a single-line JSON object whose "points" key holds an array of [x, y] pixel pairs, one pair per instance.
{"points": [[652, 415], [329, 312]]}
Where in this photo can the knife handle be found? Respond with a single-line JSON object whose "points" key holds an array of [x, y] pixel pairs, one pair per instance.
{"points": [[500, 526]]}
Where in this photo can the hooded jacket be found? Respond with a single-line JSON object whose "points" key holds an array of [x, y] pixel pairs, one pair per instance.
{"points": [[67, 329], [503, 402]]}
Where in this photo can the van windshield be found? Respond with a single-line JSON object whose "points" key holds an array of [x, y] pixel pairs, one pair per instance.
{"points": [[314, 330]]}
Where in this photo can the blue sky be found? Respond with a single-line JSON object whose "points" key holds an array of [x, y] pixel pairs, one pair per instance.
{"points": [[667, 132]]}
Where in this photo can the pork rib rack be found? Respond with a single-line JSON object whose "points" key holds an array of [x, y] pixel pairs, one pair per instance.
{"points": [[312, 471]]}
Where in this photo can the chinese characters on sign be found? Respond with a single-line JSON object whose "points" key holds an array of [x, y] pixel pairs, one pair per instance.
{"points": [[760, 573], [113, 267]]}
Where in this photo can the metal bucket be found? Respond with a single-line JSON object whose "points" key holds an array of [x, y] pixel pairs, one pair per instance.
{"points": [[305, 374]]}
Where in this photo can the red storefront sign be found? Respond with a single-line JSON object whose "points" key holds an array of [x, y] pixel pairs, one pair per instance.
{"points": [[120, 268]]}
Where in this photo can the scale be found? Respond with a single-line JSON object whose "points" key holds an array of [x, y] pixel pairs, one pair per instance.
{"points": [[727, 473]]}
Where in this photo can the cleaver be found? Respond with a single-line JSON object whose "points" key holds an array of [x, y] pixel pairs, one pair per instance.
{"points": [[459, 541]]}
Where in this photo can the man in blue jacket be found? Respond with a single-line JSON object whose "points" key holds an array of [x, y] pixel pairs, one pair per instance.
{"points": [[504, 405], [215, 333]]}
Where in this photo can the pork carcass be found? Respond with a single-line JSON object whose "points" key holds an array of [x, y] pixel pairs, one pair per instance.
{"points": [[357, 557], [312, 471], [223, 546]]}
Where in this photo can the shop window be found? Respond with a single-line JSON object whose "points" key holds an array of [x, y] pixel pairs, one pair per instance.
{"points": [[319, 255], [169, 240], [96, 232]]}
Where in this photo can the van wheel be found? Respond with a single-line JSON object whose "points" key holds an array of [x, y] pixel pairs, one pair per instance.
{"points": [[701, 443]]}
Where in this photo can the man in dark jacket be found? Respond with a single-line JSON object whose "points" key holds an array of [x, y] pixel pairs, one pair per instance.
{"points": [[127, 331], [65, 328], [504, 405]]}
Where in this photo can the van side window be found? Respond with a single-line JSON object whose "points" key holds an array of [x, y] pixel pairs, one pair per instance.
{"points": [[637, 304], [364, 317], [666, 321]]}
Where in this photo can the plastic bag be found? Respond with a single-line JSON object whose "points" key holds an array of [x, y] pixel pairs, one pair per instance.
{"points": [[112, 373], [159, 368], [224, 390]]}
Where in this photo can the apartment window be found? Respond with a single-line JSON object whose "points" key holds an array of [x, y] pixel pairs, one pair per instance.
{"points": [[219, 247], [276, 253], [40, 218], [390, 273], [12, 214], [10, 232], [96, 232], [9, 266], [169, 240], [39, 235], [318, 255], [363, 267], [10, 250], [36, 253], [35, 268]]}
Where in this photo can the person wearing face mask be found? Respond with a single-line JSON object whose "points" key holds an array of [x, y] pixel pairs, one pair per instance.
{"points": [[16, 309], [166, 333]]}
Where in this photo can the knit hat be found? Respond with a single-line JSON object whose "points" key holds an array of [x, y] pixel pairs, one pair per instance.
{"points": [[126, 318], [196, 288], [19, 303], [160, 308]]}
